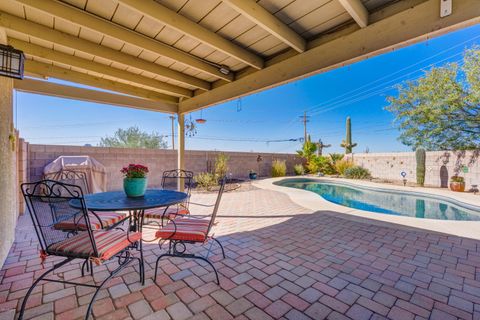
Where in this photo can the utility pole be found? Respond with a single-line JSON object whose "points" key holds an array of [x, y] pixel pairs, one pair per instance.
{"points": [[305, 120], [173, 131]]}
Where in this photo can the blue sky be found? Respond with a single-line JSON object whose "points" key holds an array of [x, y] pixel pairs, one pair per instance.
{"points": [[357, 90]]}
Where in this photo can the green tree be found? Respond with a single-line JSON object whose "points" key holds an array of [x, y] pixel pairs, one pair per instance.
{"points": [[441, 110], [133, 137]]}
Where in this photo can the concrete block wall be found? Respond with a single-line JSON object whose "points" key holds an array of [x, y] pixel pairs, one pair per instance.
{"points": [[114, 159], [440, 166], [22, 170]]}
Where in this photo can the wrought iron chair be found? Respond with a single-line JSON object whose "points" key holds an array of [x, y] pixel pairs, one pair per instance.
{"points": [[170, 181], [98, 220], [189, 229], [48, 203]]}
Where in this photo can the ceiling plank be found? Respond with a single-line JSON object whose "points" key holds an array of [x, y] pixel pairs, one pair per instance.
{"points": [[186, 26], [52, 55], [266, 20], [75, 93], [415, 24], [39, 31], [92, 22], [48, 70], [357, 10]]}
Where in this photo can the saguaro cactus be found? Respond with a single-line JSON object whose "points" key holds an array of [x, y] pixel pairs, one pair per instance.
{"points": [[347, 143], [420, 156]]}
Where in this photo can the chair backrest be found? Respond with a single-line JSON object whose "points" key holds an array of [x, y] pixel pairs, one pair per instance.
{"points": [[222, 183], [171, 179], [48, 202], [77, 178]]}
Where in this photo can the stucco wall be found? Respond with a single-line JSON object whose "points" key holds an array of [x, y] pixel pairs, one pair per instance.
{"points": [[8, 179], [440, 166], [157, 160]]}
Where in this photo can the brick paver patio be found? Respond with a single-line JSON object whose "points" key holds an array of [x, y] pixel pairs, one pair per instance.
{"points": [[282, 262]]}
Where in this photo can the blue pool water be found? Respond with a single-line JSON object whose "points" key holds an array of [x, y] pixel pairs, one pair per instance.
{"points": [[393, 202]]}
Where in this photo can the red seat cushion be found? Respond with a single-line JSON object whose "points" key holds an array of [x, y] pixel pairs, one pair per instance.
{"points": [[171, 213], [108, 243], [78, 223], [185, 229]]}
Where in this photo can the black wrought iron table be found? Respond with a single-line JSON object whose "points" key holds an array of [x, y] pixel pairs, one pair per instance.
{"points": [[118, 201]]}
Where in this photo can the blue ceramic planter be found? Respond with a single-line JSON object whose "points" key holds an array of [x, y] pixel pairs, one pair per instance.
{"points": [[135, 187]]}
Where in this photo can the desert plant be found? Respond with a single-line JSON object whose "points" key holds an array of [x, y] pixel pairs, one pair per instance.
{"points": [[457, 179], [347, 143], [420, 156], [298, 169], [325, 165], [205, 180], [335, 157], [221, 165], [312, 167], [357, 172], [308, 151], [279, 168], [342, 165]]}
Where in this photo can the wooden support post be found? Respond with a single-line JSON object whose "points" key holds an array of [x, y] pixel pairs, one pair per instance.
{"points": [[181, 148]]}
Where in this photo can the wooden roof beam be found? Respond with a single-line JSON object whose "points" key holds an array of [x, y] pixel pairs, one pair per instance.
{"points": [[415, 24], [266, 20], [56, 56], [39, 31], [357, 10], [48, 70], [76, 93], [93, 22], [176, 21]]}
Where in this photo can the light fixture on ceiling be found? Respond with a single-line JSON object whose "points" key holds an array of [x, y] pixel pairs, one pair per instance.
{"points": [[11, 62], [201, 120], [224, 69]]}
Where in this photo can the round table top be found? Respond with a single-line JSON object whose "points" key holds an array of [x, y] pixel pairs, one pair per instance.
{"points": [[118, 200]]}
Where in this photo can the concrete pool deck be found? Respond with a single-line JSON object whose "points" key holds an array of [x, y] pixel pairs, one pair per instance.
{"points": [[312, 201]]}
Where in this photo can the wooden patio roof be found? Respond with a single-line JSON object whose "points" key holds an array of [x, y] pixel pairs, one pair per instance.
{"points": [[178, 56]]}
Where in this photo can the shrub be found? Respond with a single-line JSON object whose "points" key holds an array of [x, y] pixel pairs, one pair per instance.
{"points": [[457, 179], [342, 165], [357, 172], [325, 165], [298, 169], [312, 167], [336, 157], [221, 165], [279, 168], [205, 180]]}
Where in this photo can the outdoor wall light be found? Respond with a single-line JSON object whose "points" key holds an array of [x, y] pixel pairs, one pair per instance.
{"points": [[11, 62], [224, 69]]}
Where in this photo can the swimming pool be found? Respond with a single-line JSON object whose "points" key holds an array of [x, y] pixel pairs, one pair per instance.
{"points": [[393, 202]]}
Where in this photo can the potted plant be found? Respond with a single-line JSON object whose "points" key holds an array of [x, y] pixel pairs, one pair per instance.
{"points": [[252, 175], [135, 180], [457, 184]]}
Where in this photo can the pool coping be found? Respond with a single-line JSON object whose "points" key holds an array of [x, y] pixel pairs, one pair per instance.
{"points": [[312, 201]]}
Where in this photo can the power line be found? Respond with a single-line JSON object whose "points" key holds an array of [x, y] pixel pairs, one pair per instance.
{"points": [[366, 94], [406, 68], [345, 102]]}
